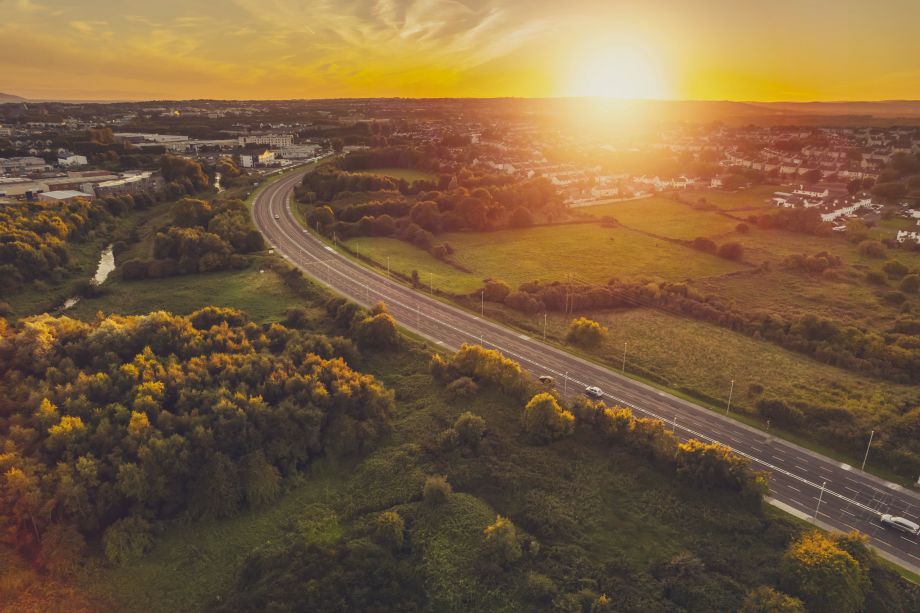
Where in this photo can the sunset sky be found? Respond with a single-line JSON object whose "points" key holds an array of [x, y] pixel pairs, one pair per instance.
{"points": [[683, 49]]}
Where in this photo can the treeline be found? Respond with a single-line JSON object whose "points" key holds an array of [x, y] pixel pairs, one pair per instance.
{"points": [[389, 157], [34, 236], [111, 426], [893, 356], [204, 237]]}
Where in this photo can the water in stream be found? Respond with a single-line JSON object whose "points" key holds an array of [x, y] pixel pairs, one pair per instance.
{"points": [[103, 270]]}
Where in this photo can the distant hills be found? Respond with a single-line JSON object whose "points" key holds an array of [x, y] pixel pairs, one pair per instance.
{"points": [[11, 98]]}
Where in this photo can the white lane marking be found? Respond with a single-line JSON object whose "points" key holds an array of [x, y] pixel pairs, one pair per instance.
{"points": [[523, 337], [328, 248], [792, 487], [845, 466], [894, 486]]}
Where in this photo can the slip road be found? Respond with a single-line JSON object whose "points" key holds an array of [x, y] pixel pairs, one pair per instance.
{"points": [[851, 499]]}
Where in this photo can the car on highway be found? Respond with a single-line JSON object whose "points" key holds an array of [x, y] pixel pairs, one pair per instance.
{"points": [[546, 380], [899, 523], [595, 392], [277, 216]]}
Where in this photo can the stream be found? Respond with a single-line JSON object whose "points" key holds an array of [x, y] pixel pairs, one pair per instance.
{"points": [[103, 270]]}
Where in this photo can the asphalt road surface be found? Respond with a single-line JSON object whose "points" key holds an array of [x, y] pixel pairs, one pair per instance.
{"points": [[799, 478]]}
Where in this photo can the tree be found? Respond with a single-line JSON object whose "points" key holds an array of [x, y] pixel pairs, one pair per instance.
{"points": [[436, 490], [377, 331], [520, 218], [502, 543], [910, 283], [765, 599], [586, 332], [545, 421], [825, 576], [895, 269], [261, 482], [217, 489], [62, 549]]}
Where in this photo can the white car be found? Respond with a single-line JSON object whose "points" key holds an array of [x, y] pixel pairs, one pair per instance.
{"points": [[594, 392], [277, 216], [899, 523]]}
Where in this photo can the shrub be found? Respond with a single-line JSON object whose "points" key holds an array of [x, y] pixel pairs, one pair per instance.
{"points": [[540, 588], [586, 332], [825, 576], [765, 599], [876, 278], [389, 530], [731, 251], [436, 490], [754, 390], [894, 269], [502, 542], [464, 387], [779, 412], [910, 284], [894, 297], [471, 428], [447, 440], [742, 228], [545, 421], [496, 290], [872, 249], [439, 368], [127, 539], [701, 243]]}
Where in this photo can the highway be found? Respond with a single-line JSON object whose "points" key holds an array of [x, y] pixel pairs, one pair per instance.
{"points": [[799, 478]]}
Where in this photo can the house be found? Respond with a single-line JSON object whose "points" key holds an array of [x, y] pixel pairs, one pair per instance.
{"points": [[908, 235], [267, 140]]}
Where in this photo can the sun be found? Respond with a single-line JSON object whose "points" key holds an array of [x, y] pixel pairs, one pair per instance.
{"points": [[623, 72]]}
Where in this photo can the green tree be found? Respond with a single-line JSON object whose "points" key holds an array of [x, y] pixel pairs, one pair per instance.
{"points": [[127, 539], [261, 482], [471, 429], [545, 421]]}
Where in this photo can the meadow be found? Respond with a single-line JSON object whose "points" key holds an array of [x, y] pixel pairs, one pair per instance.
{"points": [[741, 202], [407, 174], [665, 217]]}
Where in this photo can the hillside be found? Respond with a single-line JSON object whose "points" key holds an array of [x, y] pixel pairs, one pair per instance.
{"points": [[10, 98]]}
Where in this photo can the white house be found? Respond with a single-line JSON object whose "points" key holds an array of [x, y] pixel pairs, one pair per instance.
{"points": [[908, 235], [250, 160]]}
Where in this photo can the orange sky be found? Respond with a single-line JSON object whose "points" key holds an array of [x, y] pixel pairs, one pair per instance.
{"points": [[683, 49]]}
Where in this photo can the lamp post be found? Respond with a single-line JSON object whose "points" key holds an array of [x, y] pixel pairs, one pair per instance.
{"points": [[544, 327], [482, 303], [866, 457], [820, 497], [623, 367], [730, 392], [388, 267], [431, 283], [565, 384]]}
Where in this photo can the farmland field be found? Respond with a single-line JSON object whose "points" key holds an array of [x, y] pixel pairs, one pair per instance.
{"points": [[407, 174]]}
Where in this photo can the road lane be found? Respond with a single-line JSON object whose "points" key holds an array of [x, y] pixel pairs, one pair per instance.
{"points": [[851, 499]]}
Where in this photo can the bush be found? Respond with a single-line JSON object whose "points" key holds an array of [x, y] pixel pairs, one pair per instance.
{"points": [[545, 421], [910, 284], [779, 412], [436, 490], [127, 539], [742, 228], [765, 599], [502, 542], [731, 251], [894, 297], [872, 249], [471, 428], [540, 588], [876, 278], [389, 530], [701, 243], [894, 269], [586, 332], [496, 290], [464, 387], [825, 576], [447, 440]]}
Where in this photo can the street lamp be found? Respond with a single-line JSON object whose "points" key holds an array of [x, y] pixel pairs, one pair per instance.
{"points": [[623, 368], [565, 384], [866, 457], [730, 392], [482, 303], [388, 267], [820, 497], [544, 327]]}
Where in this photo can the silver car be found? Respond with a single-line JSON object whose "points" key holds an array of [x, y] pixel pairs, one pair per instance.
{"points": [[594, 392], [899, 523]]}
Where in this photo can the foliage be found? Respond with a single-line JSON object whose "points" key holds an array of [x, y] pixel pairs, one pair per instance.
{"points": [[436, 490], [127, 420], [490, 366], [586, 332], [825, 576], [545, 421], [765, 599], [389, 530], [502, 541]]}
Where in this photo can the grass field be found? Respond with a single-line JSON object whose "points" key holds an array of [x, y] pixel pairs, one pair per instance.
{"points": [[262, 294], [742, 201], [588, 251], [407, 174], [665, 217]]}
